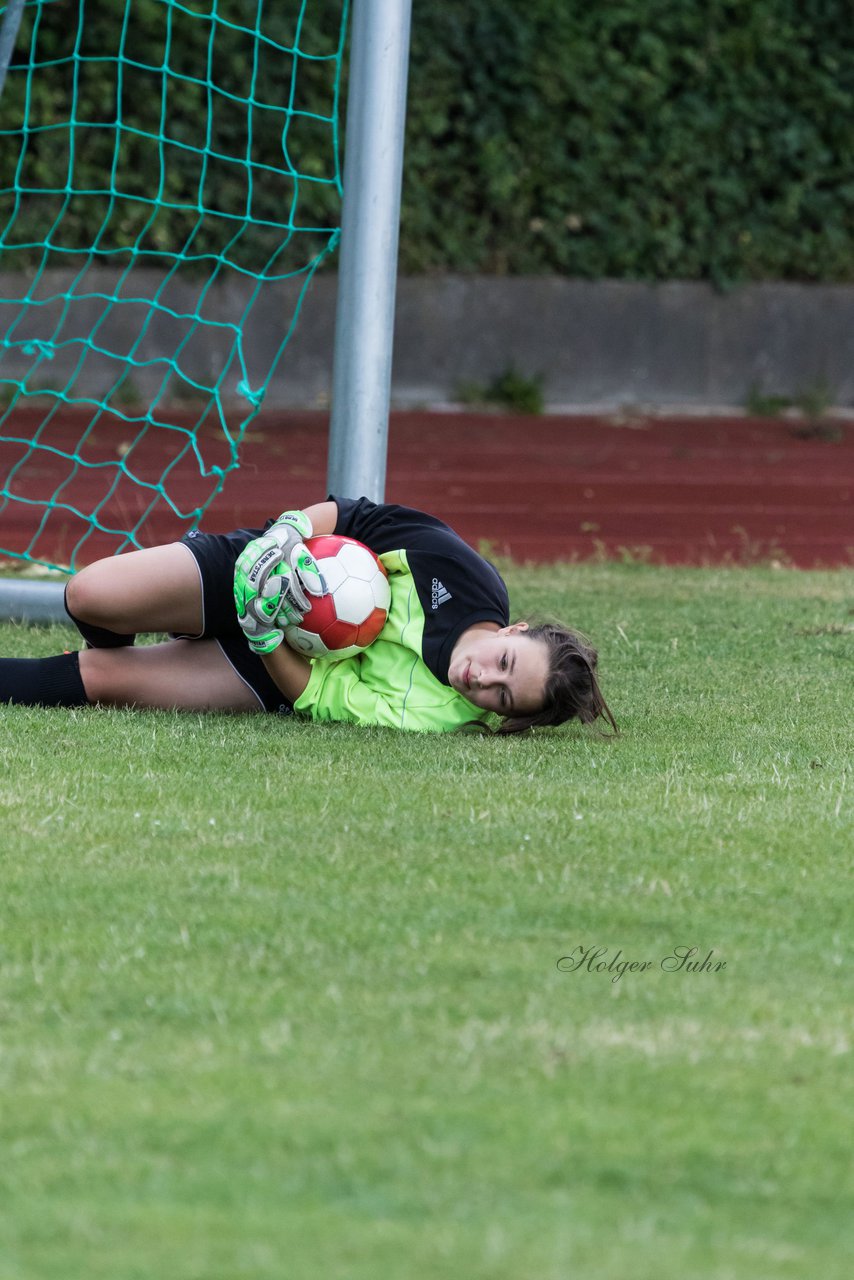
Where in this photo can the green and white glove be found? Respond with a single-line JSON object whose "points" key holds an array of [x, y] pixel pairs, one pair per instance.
{"points": [[290, 531], [304, 577], [257, 598], [270, 591]]}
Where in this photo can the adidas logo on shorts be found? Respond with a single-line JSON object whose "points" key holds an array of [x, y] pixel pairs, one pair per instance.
{"points": [[439, 594]]}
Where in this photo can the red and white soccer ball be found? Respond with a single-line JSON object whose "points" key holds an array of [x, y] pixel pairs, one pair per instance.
{"points": [[353, 611]]}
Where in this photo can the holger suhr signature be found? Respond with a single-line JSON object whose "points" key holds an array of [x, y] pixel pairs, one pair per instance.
{"points": [[680, 960]]}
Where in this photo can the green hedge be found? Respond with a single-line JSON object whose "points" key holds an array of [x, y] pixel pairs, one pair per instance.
{"points": [[198, 139], [646, 139]]}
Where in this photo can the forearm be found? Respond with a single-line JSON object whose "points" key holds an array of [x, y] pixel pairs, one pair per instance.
{"points": [[323, 517], [288, 670]]}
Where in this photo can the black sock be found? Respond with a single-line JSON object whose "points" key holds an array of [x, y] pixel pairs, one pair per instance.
{"points": [[43, 682], [98, 637]]}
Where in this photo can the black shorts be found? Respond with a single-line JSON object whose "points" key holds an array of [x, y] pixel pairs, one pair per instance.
{"points": [[215, 555]]}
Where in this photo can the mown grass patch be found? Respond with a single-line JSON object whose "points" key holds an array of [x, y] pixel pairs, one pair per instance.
{"points": [[285, 1000]]}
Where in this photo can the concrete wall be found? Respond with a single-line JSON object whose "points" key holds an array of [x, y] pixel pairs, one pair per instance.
{"points": [[599, 343], [621, 342]]}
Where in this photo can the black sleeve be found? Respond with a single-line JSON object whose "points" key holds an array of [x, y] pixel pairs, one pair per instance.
{"points": [[456, 587]]}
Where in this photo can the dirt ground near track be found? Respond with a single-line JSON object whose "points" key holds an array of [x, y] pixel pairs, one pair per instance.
{"points": [[675, 490]]}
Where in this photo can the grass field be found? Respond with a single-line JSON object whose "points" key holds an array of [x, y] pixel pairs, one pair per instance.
{"points": [[312, 1024]]}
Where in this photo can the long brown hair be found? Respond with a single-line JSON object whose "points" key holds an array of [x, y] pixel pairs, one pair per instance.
{"points": [[572, 689]]}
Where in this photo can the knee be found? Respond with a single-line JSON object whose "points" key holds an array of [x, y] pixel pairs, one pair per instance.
{"points": [[105, 674], [88, 595]]}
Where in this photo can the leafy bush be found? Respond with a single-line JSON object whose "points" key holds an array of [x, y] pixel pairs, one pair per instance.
{"points": [[645, 139], [510, 390], [117, 154]]}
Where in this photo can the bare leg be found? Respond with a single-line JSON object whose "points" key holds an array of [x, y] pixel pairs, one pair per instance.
{"points": [[185, 675], [154, 590]]}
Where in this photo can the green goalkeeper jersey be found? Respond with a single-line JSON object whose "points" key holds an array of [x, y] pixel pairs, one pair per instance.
{"points": [[439, 588]]}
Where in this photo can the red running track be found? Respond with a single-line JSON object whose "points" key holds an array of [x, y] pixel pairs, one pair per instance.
{"points": [[673, 490]]}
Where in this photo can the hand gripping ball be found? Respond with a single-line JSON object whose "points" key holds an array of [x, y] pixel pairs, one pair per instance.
{"points": [[352, 611]]}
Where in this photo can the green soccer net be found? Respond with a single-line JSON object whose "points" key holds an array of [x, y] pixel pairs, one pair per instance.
{"points": [[169, 184]]}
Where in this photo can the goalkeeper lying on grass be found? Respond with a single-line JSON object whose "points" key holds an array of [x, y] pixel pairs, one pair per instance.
{"points": [[447, 655]]}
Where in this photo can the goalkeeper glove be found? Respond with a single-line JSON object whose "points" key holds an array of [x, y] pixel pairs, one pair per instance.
{"points": [[290, 531], [270, 594]]}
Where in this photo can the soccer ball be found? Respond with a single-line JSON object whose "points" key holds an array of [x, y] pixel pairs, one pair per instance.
{"points": [[352, 612]]}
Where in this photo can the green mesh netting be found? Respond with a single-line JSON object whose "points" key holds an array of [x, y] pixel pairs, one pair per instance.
{"points": [[169, 184]]}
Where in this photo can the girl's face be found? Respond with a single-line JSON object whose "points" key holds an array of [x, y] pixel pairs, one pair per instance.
{"points": [[503, 671]]}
